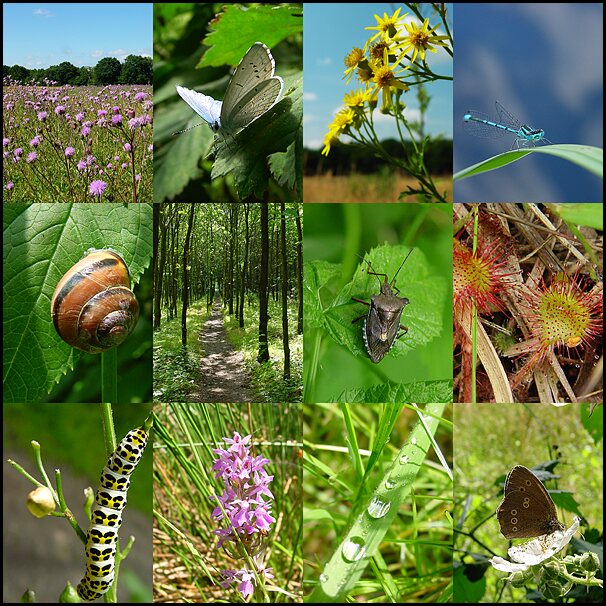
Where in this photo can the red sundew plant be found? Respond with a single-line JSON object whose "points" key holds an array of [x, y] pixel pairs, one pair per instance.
{"points": [[563, 317], [61, 142], [478, 278]]}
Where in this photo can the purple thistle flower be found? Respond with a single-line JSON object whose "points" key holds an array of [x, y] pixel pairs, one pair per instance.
{"points": [[85, 131], [97, 188], [60, 109], [35, 141], [18, 152], [81, 165], [140, 96], [127, 147], [101, 113], [9, 185], [5, 142], [69, 152], [31, 157], [117, 120], [79, 117]]}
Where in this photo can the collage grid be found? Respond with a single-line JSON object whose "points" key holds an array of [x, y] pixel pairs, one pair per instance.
{"points": [[316, 288]]}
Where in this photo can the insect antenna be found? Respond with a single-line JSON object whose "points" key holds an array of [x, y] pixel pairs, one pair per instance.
{"points": [[401, 265], [190, 128]]}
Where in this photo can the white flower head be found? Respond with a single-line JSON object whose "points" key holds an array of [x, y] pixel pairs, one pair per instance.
{"points": [[536, 550]]}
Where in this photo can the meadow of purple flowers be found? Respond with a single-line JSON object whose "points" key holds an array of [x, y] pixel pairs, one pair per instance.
{"points": [[77, 144]]}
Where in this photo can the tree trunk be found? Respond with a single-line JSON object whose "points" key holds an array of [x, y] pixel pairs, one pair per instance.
{"points": [[263, 270], [185, 291], [284, 292]]}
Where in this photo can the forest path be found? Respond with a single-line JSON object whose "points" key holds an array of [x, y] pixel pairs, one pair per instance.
{"points": [[224, 376]]}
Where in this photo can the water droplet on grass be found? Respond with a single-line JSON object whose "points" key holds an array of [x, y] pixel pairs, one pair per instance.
{"points": [[378, 507]]}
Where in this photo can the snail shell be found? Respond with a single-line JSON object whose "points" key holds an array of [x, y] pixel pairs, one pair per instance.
{"points": [[93, 307]]}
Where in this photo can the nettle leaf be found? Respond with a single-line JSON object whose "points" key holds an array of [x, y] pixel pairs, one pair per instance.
{"points": [[421, 392], [318, 276], [416, 281], [237, 28], [41, 242]]}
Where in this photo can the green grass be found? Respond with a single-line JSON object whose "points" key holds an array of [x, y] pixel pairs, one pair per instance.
{"points": [[373, 478]]}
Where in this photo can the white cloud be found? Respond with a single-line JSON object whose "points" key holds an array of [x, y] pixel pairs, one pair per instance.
{"points": [[310, 96], [42, 12], [324, 61]]}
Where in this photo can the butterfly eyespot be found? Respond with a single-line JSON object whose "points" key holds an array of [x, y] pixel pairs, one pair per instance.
{"points": [[514, 520], [106, 516], [514, 512], [526, 504]]}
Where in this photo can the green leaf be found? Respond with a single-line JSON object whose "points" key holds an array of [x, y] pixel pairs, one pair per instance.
{"points": [[41, 242], [318, 275], [585, 156], [589, 215], [421, 392], [416, 281], [237, 28]]}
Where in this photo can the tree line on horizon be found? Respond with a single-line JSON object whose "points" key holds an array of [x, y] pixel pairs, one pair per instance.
{"points": [[109, 70]]}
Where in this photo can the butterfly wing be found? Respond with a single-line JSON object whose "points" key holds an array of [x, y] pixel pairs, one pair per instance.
{"points": [[527, 510], [252, 90], [206, 107]]}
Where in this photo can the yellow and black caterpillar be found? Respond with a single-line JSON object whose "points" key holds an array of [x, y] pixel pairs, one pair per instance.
{"points": [[106, 516]]}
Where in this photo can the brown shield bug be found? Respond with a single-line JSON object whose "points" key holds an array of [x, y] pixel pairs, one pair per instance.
{"points": [[382, 322]]}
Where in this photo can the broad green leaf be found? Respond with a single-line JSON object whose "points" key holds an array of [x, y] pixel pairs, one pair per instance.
{"points": [[41, 242], [419, 391], [585, 156], [589, 215], [237, 28], [318, 274]]}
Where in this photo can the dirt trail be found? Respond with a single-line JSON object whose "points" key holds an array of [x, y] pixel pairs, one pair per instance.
{"points": [[224, 377]]}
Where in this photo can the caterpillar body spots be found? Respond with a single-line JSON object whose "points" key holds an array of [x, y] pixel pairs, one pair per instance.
{"points": [[106, 516]]}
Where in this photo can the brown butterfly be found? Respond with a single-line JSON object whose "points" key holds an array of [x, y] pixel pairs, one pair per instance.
{"points": [[526, 510]]}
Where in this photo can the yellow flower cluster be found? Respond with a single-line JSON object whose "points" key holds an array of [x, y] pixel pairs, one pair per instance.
{"points": [[380, 68]]}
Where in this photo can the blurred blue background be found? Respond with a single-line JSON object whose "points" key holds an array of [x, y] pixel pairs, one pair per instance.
{"points": [[544, 64]]}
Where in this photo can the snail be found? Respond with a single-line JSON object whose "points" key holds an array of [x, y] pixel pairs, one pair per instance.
{"points": [[93, 307]]}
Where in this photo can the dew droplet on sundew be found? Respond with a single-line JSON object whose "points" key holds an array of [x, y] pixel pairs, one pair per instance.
{"points": [[403, 459], [378, 507], [323, 578], [353, 549]]}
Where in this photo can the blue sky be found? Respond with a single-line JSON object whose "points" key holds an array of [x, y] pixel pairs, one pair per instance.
{"points": [[544, 64], [41, 35], [330, 31]]}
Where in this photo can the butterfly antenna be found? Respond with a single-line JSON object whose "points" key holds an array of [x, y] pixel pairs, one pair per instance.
{"points": [[190, 128]]}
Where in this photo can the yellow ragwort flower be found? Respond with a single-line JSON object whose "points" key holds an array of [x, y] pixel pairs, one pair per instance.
{"points": [[352, 61], [386, 82], [387, 27], [344, 119], [356, 99], [419, 40]]}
